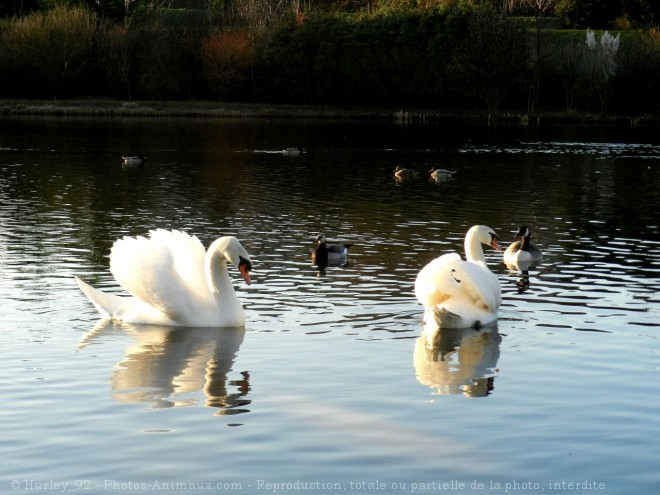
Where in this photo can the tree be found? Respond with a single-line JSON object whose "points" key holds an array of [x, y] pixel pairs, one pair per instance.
{"points": [[491, 58], [541, 9]]}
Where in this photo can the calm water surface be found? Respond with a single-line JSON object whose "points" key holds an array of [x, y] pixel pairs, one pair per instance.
{"points": [[327, 387]]}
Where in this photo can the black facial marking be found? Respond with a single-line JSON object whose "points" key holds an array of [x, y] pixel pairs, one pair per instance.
{"points": [[244, 262]]}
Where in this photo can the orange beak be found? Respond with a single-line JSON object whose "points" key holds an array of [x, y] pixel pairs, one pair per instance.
{"points": [[246, 274], [495, 245]]}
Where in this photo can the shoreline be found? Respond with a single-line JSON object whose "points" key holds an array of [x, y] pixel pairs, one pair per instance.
{"points": [[213, 109]]}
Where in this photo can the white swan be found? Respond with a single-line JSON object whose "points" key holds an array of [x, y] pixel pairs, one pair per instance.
{"points": [[523, 250], [457, 293], [173, 281]]}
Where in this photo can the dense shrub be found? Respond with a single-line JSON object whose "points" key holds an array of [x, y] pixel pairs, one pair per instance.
{"points": [[151, 63], [434, 57], [49, 54], [639, 81], [607, 14], [491, 58], [227, 59], [167, 63]]}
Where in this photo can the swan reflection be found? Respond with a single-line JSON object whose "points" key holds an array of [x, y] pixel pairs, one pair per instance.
{"points": [[458, 361], [167, 366]]}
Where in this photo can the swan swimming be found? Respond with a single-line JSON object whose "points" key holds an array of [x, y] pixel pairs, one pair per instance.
{"points": [[173, 281], [457, 293]]}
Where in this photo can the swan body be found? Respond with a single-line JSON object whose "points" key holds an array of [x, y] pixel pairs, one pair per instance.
{"points": [[402, 173], [329, 253], [441, 174], [173, 281], [460, 293], [523, 250], [134, 161]]}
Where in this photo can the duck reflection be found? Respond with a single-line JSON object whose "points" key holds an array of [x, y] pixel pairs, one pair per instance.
{"points": [[458, 361], [165, 366], [522, 268]]}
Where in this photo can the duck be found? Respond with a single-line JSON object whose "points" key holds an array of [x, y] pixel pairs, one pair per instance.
{"points": [[441, 174], [401, 173], [134, 161], [329, 254], [171, 280], [293, 151], [522, 251], [460, 293]]}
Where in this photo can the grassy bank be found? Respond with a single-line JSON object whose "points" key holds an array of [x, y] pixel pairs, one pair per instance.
{"points": [[210, 109], [213, 109]]}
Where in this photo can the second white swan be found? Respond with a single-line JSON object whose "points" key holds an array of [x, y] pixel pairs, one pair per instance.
{"points": [[457, 293]]}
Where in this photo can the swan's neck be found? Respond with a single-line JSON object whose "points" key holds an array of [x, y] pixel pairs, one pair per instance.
{"points": [[473, 249], [217, 275]]}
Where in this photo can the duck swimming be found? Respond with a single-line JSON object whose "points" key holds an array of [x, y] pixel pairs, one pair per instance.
{"points": [[329, 254], [293, 151], [522, 250], [457, 293], [134, 161], [441, 174], [401, 173]]}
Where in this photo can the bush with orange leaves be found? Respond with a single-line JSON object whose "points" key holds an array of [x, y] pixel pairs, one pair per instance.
{"points": [[227, 59]]}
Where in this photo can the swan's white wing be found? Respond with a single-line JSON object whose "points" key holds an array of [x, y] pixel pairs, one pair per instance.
{"points": [[479, 284], [434, 283], [188, 257], [150, 269], [449, 277]]}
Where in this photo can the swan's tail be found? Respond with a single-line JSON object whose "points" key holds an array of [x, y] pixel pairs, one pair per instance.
{"points": [[108, 305]]}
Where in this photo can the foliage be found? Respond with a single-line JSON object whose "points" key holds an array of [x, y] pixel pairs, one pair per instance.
{"points": [[455, 55], [429, 58], [227, 59], [603, 14], [491, 57], [600, 65], [639, 72], [49, 54]]}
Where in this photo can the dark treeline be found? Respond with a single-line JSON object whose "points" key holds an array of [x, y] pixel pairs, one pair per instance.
{"points": [[515, 55]]}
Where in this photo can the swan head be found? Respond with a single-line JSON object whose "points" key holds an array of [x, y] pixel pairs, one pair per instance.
{"points": [[484, 235], [320, 239], [232, 250]]}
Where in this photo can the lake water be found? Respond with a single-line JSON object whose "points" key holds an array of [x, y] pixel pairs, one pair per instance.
{"points": [[328, 388]]}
